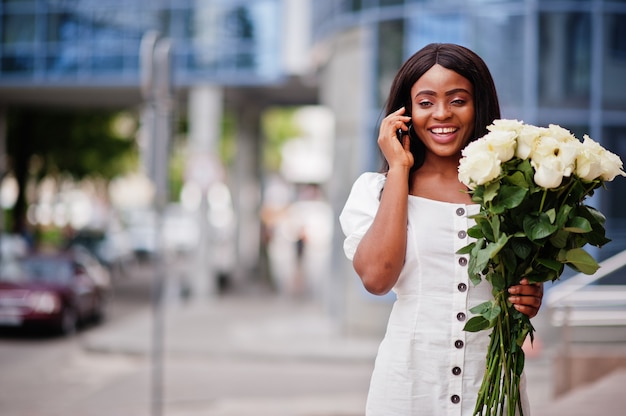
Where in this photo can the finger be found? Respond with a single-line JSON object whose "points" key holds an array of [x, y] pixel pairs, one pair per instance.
{"points": [[529, 311], [533, 301], [526, 288], [406, 143]]}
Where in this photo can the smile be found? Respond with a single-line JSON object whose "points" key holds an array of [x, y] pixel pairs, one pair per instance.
{"points": [[444, 130]]}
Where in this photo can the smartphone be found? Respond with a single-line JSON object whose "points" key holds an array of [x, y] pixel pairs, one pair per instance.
{"points": [[400, 132], [416, 145]]}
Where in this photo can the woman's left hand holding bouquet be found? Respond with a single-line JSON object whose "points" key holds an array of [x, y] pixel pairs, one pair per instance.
{"points": [[526, 297]]}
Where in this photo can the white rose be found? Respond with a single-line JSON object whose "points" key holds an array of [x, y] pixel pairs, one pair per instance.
{"points": [[589, 160], [548, 174], [506, 125], [560, 133], [594, 162], [553, 159], [478, 165], [611, 166], [527, 139], [502, 143]]}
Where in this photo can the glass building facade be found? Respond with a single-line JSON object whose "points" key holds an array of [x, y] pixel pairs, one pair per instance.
{"points": [[97, 41], [559, 62]]}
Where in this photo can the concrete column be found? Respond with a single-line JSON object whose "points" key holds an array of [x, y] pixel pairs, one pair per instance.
{"points": [[205, 119], [247, 192], [344, 88]]}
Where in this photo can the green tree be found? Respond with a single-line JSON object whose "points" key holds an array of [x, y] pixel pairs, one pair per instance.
{"points": [[81, 144]]}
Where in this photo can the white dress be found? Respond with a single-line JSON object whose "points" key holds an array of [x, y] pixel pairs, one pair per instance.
{"points": [[426, 364]]}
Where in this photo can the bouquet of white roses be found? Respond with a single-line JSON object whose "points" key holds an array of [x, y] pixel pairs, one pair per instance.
{"points": [[531, 183]]}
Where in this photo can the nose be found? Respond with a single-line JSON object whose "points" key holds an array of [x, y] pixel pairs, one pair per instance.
{"points": [[442, 111]]}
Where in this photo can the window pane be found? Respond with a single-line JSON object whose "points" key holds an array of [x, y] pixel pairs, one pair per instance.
{"points": [[18, 28], [499, 40], [614, 65], [564, 59], [390, 56]]}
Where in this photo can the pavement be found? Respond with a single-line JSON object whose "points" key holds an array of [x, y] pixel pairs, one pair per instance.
{"points": [[285, 333]]}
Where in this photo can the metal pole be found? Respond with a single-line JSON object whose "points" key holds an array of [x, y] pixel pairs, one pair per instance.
{"points": [[159, 169], [155, 61]]}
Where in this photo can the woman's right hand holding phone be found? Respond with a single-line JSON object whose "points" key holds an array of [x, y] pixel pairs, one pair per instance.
{"points": [[396, 152], [380, 255]]}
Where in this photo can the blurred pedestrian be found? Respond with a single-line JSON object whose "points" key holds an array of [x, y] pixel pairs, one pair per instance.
{"points": [[404, 226]]}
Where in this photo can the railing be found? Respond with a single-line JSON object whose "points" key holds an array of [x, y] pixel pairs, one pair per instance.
{"points": [[579, 302]]}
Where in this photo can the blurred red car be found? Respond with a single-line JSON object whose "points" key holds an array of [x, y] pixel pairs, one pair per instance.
{"points": [[54, 291]]}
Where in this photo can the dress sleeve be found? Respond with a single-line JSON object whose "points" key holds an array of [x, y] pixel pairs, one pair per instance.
{"points": [[360, 208]]}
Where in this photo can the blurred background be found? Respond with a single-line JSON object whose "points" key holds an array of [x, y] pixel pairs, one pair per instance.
{"points": [[203, 149]]}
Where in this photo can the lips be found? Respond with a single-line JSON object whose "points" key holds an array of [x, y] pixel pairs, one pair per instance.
{"points": [[443, 135]]}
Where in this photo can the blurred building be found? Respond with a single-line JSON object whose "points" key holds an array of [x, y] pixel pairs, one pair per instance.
{"points": [[227, 56], [559, 62]]}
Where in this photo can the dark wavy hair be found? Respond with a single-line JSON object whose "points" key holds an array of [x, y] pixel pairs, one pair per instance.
{"points": [[458, 59]]}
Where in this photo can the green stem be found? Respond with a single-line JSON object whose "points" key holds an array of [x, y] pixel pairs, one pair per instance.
{"points": [[543, 199]]}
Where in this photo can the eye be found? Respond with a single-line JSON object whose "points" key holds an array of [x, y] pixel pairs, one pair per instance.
{"points": [[458, 102], [424, 103]]}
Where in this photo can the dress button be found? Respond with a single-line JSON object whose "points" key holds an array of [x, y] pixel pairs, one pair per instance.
{"points": [[456, 371], [460, 211], [460, 316], [458, 344], [462, 287], [455, 398], [462, 234], [463, 261]]}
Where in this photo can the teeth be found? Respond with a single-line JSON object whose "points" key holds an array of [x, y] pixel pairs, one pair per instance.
{"points": [[444, 130]]}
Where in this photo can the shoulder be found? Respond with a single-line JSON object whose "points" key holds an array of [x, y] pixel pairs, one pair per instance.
{"points": [[369, 184]]}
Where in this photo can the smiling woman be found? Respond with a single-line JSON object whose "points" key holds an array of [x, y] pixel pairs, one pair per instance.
{"points": [[405, 225]]}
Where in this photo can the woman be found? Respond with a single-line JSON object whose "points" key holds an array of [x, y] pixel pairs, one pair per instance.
{"points": [[404, 226]]}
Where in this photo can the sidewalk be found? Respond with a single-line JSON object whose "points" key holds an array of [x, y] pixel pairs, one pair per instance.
{"points": [[278, 330], [263, 326]]}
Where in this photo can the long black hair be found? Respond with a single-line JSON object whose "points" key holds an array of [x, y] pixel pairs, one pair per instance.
{"points": [[458, 59]]}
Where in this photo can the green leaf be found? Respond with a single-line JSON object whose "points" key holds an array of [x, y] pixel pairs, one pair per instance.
{"points": [[517, 179], [475, 232], [538, 227], [485, 228], [521, 336], [597, 237], [559, 239], [467, 249], [497, 281], [492, 313], [597, 215], [551, 213], [578, 225], [495, 226], [511, 196], [491, 190], [475, 324], [481, 308], [563, 215], [474, 270], [582, 260], [551, 264], [475, 279], [521, 247]]}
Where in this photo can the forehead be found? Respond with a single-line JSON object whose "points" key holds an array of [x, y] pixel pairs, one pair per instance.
{"points": [[441, 80]]}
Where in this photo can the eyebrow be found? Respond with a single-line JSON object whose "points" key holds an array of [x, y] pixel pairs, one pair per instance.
{"points": [[448, 93]]}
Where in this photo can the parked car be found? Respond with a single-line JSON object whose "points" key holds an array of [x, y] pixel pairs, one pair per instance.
{"points": [[50, 291], [111, 247]]}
